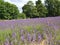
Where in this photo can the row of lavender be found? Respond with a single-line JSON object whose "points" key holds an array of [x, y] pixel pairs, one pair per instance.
{"points": [[52, 21], [22, 36], [24, 32], [26, 37]]}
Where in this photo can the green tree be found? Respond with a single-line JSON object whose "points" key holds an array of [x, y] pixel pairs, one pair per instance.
{"points": [[30, 10], [8, 11], [58, 8], [21, 16], [53, 7], [1, 0], [41, 9]]}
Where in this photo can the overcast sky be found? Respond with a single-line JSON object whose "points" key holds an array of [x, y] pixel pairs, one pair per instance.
{"points": [[20, 3]]}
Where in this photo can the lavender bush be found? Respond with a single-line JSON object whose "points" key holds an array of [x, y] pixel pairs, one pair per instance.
{"points": [[38, 31]]}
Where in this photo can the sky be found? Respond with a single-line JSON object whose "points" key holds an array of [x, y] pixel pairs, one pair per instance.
{"points": [[20, 3]]}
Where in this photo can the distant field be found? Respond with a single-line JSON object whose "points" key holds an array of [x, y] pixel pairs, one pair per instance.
{"points": [[36, 31], [52, 21]]}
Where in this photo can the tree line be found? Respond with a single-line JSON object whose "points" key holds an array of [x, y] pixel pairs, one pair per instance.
{"points": [[50, 8]]}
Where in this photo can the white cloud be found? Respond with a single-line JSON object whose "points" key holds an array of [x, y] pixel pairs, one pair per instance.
{"points": [[20, 3]]}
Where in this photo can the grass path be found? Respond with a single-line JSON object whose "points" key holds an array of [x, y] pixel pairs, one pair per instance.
{"points": [[41, 43]]}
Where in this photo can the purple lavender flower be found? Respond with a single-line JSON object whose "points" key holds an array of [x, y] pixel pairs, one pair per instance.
{"points": [[22, 38], [52, 22], [34, 37], [29, 37], [21, 32], [11, 43], [14, 34], [39, 37], [6, 42]]}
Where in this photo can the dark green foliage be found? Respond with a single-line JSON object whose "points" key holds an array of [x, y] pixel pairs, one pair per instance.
{"points": [[41, 9], [53, 7], [30, 10], [1, 0], [58, 8], [21, 16], [8, 11]]}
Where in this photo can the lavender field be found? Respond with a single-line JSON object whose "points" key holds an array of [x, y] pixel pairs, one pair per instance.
{"points": [[36, 31]]}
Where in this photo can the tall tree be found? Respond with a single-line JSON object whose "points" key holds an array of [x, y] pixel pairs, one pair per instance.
{"points": [[8, 11], [53, 7], [30, 10], [41, 9]]}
